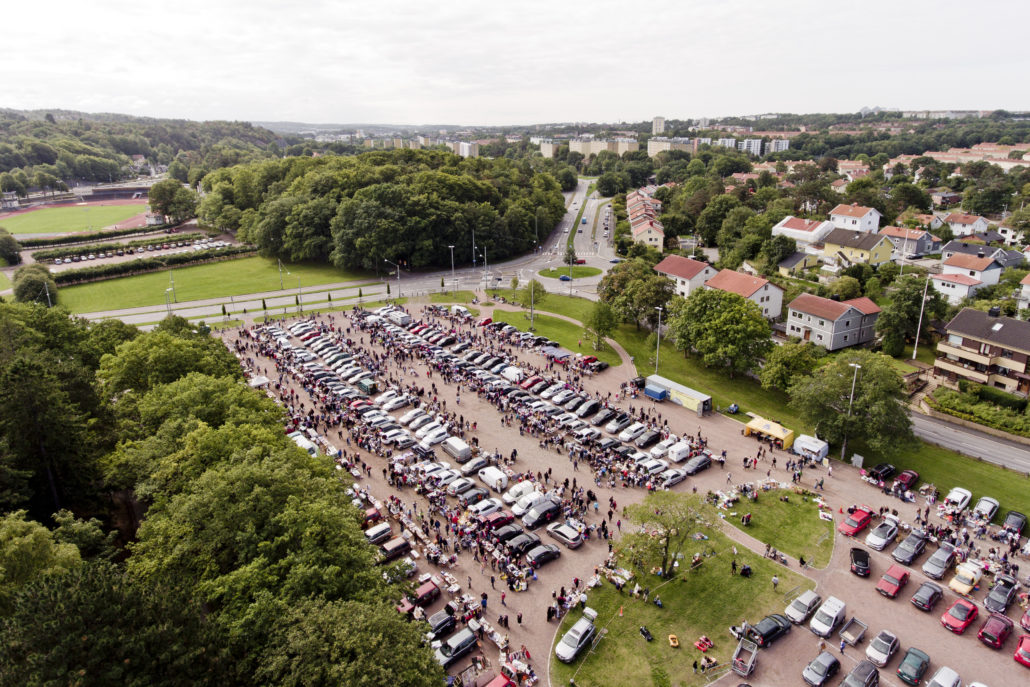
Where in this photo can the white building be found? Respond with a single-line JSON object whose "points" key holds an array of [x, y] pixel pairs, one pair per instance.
{"points": [[548, 148], [803, 231], [855, 218], [660, 144], [1024, 294], [986, 270], [686, 274], [777, 145], [658, 125], [762, 292], [963, 225], [956, 287], [726, 142], [751, 146]]}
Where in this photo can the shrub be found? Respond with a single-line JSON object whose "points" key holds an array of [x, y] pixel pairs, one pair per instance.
{"points": [[970, 407], [92, 236]]}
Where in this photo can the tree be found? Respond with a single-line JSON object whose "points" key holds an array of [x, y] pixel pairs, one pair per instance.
{"points": [[709, 222], [725, 329], [601, 323], [532, 294], [613, 183], [846, 288], [570, 255], [159, 357], [172, 199], [878, 417], [27, 552], [514, 285], [639, 301], [34, 284], [615, 280], [667, 522], [789, 362], [899, 318], [10, 249]]}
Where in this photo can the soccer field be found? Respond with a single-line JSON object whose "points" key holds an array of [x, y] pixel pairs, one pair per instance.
{"points": [[70, 218], [220, 279]]}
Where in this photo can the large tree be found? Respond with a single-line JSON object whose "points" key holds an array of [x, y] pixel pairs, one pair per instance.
{"points": [[159, 357], [10, 249], [723, 328], [878, 416], [788, 362], [601, 323], [34, 284], [172, 199], [899, 318], [666, 523], [27, 552], [639, 301]]}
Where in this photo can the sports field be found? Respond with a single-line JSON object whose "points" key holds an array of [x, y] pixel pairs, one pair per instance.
{"points": [[69, 218], [220, 279]]}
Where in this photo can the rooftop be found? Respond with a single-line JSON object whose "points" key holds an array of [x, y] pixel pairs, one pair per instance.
{"points": [[969, 262], [678, 266], [961, 218], [852, 210], [963, 279], [860, 240], [737, 282], [830, 309], [1007, 332]]}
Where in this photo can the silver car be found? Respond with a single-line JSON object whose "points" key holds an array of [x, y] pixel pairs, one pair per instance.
{"points": [[940, 562], [672, 477], [883, 646], [575, 640], [882, 535], [566, 534]]}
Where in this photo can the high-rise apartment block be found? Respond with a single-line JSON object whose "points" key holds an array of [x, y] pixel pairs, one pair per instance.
{"points": [[658, 126]]}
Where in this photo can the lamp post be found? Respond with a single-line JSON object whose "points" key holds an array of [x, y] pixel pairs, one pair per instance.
{"points": [[398, 276], [171, 279], [454, 281], [300, 303], [281, 285], [658, 345], [919, 324], [473, 248], [168, 303], [854, 380]]}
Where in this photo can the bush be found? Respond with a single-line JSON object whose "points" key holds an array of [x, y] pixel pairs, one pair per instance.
{"points": [[92, 236], [34, 284], [970, 407], [121, 269], [10, 250], [989, 394]]}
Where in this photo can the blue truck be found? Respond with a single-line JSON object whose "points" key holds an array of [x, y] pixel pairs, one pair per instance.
{"points": [[655, 392]]}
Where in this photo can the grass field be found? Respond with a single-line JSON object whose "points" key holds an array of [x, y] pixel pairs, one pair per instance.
{"points": [[70, 218], [794, 527], [704, 601], [578, 272], [565, 333], [5, 283], [452, 297], [230, 278]]}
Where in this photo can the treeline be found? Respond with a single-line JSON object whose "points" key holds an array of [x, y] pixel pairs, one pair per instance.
{"points": [[248, 564], [41, 150], [91, 236], [406, 206]]}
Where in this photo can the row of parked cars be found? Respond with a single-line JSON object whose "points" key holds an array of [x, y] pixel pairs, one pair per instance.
{"points": [[173, 246]]}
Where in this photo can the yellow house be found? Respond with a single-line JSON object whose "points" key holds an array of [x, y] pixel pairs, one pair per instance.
{"points": [[797, 263], [852, 247]]}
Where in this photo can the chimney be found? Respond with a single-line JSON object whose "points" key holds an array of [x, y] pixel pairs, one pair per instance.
{"points": [[980, 253], [995, 311]]}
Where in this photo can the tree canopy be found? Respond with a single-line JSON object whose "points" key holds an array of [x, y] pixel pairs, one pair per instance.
{"points": [[726, 330]]}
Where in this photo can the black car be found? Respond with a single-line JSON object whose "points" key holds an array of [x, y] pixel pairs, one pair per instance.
{"points": [[860, 561], [541, 514], [441, 624], [697, 464], [607, 443], [623, 451], [522, 543], [508, 532], [927, 596], [588, 408], [545, 553], [602, 417], [648, 438], [910, 548], [573, 403], [598, 365], [864, 674], [882, 472], [1015, 521], [1001, 594], [457, 646], [821, 670], [769, 629]]}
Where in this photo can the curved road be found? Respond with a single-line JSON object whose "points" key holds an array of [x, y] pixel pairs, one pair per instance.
{"points": [[970, 442]]}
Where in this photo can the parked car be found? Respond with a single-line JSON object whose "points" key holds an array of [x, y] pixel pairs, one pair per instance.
{"points": [[821, 669], [882, 648], [910, 548], [960, 615], [882, 472], [541, 514], [455, 648], [524, 542], [803, 606], [672, 477], [566, 534], [913, 666], [958, 498], [697, 464], [545, 553], [927, 596], [1015, 522], [769, 629], [864, 674], [906, 480], [892, 581], [858, 519], [576, 639], [860, 561], [986, 508], [967, 576], [1022, 654], [1002, 593], [940, 562], [883, 534], [995, 630]]}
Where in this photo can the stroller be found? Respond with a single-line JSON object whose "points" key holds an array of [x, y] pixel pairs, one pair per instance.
{"points": [[645, 633]]}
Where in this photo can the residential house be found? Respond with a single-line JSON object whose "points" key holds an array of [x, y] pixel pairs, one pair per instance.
{"points": [[797, 263], [1010, 235], [852, 247], [985, 349], [649, 232], [939, 198], [930, 222], [686, 274], [855, 217], [1024, 293], [987, 270], [803, 231], [963, 225], [956, 287], [832, 324], [840, 186], [1005, 258], [768, 296], [911, 243]]}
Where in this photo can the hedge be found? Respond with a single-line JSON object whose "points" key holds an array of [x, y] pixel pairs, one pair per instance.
{"points": [[68, 251], [143, 265], [969, 407], [989, 394], [94, 236]]}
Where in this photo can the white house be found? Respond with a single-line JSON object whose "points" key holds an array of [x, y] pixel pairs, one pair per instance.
{"points": [[986, 270], [650, 233], [855, 218], [1024, 294], [762, 292], [956, 287], [686, 274], [964, 225], [802, 230]]}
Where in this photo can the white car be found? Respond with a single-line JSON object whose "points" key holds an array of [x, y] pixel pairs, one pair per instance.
{"points": [[460, 486], [564, 419], [663, 446], [421, 421], [883, 646], [883, 534], [396, 403], [486, 506], [526, 502], [386, 397], [671, 477], [439, 436], [654, 466], [517, 491], [551, 391], [562, 396], [958, 498], [632, 432], [446, 477], [587, 433], [409, 416]]}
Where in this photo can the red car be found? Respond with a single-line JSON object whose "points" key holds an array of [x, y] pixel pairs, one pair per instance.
{"points": [[423, 596], [1024, 622], [531, 382], [590, 359], [892, 581], [960, 616], [496, 520], [995, 630], [907, 479], [858, 519], [485, 321], [1022, 654]]}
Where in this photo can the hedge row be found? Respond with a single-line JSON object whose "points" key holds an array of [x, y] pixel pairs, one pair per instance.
{"points": [[989, 394], [94, 236], [68, 251], [143, 265], [969, 407]]}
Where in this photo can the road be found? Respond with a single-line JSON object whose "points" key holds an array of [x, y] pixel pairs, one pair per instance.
{"points": [[1009, 454]]}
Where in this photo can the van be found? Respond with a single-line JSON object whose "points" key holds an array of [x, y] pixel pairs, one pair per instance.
{"points": [[399, 318], [494, 478], [308, 446], [378, 534], [457, 449], [395, 548], [828, 617], [368, 385], [459, 310], [513, 374], [678, 452]]}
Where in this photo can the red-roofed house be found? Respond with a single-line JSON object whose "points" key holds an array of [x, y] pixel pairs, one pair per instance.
{"points": [[930, 222], [840, 186], [686, 274], [762, 292], [956, 287], [832, 324], [650, 233], [964, 225], [855, 218], [802, 230], [986, 270]]}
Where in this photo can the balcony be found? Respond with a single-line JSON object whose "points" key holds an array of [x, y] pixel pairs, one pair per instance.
{"points": [[963, 353], [1009, 364], [964, 371]]}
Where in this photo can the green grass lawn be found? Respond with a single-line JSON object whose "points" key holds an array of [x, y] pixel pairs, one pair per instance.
{"points": [[230, 278], [452, 297], [926, 354], [793, 527], [70, 218], [565, 333], [705, 601], [578, 272], [5, 283]]}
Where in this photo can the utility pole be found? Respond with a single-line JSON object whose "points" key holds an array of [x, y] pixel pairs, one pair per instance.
{"points": [[398, 276], [282, 287], [844, 444], [658, 345], [919, 324], [473, 248], [46, 287], [454, 282], [168, 303], [300, 303]]}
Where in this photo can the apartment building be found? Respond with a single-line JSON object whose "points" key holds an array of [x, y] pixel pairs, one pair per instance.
{"points": [[762, 292], [832, 324], [687, 274], [987, 349], [657, 126], [660, 144], [751, 146]]}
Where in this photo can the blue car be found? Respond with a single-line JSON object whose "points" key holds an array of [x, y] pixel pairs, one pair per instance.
{"points": [[565, 277]]}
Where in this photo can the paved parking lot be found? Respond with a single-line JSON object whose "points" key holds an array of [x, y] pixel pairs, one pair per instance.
{"points": [[779, 665]]}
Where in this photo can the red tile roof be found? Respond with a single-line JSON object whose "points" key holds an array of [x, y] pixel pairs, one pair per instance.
{"points": [[963, 279], [968, 262], [799, 224], [864, 305], [1025, 281], [679, 266], [644, 226], [830, 309], [903, 232], [851, 210], [737, 282], [960, 218]]}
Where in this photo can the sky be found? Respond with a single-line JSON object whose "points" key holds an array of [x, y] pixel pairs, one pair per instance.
{"points": [[517, 62]]}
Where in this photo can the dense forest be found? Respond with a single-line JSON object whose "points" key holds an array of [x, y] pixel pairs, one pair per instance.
{"points": [[41, 150], [406, 206], [157, 527]]}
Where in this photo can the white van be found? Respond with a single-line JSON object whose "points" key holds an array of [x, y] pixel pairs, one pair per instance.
{"points": [[459, 310], [828, 617], [399, 318], [457, 449], [678, 452], [308, 446], [513, 374], [494, 478]]}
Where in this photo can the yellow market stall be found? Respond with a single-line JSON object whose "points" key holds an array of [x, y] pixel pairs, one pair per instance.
{"points": [[767, 428]]}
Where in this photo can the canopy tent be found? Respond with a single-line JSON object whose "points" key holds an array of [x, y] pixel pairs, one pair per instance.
{"points": [[811, 446], [258, 381], [768, 428]]}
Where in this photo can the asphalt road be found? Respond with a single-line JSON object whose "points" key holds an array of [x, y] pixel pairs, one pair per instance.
{"points": [[972, 443]]}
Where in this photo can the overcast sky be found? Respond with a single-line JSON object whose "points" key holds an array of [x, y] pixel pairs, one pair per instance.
{"points": [[515, 62]]}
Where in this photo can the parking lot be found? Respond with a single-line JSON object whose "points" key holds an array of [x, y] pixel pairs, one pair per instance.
{"points": [[529, 437]]}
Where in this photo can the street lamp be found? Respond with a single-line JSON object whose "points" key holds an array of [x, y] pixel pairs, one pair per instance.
{"points": [[454, 281], [168, 303], [300, 304], [282, 287], [919, 324], [658, 345], [171, 279], [854, 380], [398, 276]]}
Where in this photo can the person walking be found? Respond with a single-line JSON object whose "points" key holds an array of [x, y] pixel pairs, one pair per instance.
{"points": [[729, 478], [733, 567], [842, 645], [775, 581]]}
